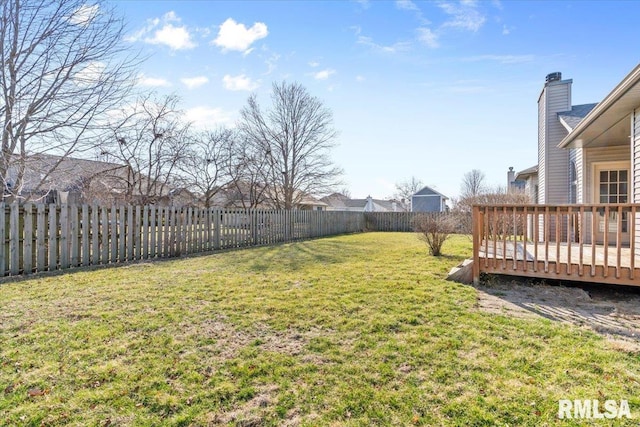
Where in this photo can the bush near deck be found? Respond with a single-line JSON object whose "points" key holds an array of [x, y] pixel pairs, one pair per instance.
{"points": [[351, 330]]}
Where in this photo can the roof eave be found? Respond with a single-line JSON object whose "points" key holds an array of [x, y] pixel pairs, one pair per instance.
{"points": [[623, 87]]}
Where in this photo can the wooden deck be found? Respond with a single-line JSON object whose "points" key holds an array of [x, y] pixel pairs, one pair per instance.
{"points": [[564, 262], [558, 242]]}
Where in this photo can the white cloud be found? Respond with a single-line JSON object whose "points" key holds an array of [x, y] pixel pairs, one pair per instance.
{"points": [[314, 64], [206, 117], [506, 30], [360, 78], [194, 82], [324, 74], [464, 16], [240, 82], [394, 48], [406, 5], [176, 37], [84, 15], [170, 17], [147, 81], [235, 36], [428, 37], [271, 63]]}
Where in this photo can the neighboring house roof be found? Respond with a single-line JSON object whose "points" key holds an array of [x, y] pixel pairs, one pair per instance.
{"points": [[308, 200], [335, 200], [47, 172], [605, 124], [339, 201], [428, 191], [570, 119], [69, 174], [377, 204], [523, 174], [384, 205]]}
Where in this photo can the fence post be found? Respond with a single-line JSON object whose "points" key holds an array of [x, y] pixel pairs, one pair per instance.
{"points": [[53, 238], [104, 250], [137, 238], [14, 239], [74, 236], [28, 250], [129, 230], [84, 226], [41, 227], [64, 236], [476, 226], [216, 228], [95, 234]]}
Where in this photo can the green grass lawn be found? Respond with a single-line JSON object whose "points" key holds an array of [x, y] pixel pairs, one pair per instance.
{"points": [[352, 330]]}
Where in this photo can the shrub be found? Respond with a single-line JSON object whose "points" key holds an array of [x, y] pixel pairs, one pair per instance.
{"points": [[434, 229]]}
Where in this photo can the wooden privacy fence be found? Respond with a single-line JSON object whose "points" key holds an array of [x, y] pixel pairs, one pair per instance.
{"points": [[395, 221], [590, 243], [49, 237]]}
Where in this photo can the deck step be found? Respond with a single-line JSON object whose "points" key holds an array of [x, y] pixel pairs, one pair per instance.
{"points": [[462, 273]]}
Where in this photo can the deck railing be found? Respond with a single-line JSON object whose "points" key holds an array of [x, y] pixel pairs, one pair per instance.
{"points": [[594, 243]]}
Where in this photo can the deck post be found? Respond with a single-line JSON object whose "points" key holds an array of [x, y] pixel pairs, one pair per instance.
{"points": [[475, 221]]}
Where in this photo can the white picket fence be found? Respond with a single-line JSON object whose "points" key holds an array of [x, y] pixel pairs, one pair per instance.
{"points": [[48, 237]]}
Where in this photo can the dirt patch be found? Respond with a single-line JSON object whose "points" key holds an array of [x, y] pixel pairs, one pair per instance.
{"points": [[229, 340], [613, 312]]}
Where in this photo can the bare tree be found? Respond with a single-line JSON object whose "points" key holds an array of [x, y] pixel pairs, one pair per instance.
{"points": [[472, 184], [203, 166], [405, 190], [150, 140], [295, 137], [345, 191], [247, 171], [64, 65], [463, 206]]}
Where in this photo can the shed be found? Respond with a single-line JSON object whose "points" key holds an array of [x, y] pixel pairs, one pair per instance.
{"points": [[428, 200]]}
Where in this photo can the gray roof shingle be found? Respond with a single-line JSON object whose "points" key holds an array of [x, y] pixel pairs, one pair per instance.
{"points": [[570, 119]]}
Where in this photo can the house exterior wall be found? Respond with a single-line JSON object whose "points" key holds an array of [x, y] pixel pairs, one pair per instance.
{"points": [[553, 161], [542, 131], [593, 156], [426, 203], [635, 159], [531, 188], [635, 166], [576, 157]]}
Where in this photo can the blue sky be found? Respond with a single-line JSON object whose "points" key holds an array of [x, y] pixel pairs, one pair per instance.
{"points": [[424, 89]]}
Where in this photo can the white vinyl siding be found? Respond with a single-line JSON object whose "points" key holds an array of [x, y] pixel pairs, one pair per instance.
{"points": [[617, 153], [531, 188], [576, 156], [553, 163], [635, 169], [557, 160], [635, 160], [542, 130]]}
